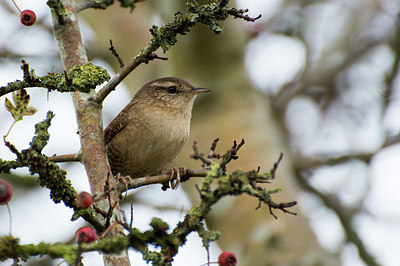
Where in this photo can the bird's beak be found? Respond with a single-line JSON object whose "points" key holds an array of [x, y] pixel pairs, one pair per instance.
{"points": [[199, 90]]}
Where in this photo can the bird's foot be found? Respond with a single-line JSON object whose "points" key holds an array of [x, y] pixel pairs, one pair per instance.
{"points": [[175, 177], [125, 181]]}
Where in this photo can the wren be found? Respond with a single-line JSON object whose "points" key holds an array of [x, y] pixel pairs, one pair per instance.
{"points": [[147, 135]]}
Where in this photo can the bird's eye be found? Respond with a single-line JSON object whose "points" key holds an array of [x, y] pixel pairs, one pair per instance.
{"points": [[171, 89]]}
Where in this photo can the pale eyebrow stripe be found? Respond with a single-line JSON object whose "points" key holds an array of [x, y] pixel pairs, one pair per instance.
{"points": [[162, 84]]}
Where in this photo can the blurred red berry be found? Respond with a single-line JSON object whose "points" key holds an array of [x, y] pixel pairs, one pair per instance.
{"points": [[5, 192], [85, 234], [27, 17], [84, 200], [227, 259]]}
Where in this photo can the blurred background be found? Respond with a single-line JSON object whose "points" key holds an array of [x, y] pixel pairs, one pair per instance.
{"points": [[316, 80]]}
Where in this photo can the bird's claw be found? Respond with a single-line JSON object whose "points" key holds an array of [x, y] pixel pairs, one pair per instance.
{"points": [[175, 178], [124, 180]]}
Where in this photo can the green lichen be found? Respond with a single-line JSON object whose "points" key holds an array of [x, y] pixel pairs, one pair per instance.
{"points": [[58, 11], [10, 248], [83, 78], [210, 15], [87, 77], [50, 175]]}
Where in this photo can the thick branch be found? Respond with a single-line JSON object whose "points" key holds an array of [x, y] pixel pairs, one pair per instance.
{"points": [[89, 119]]}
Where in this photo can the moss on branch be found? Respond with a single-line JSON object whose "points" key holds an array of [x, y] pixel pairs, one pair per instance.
{"points": [[210, 15], [50, 175], [81, 78], [10, 248]]}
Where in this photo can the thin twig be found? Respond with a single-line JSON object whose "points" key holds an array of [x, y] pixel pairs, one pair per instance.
{"points": [[200, 156], [125, 71], [131, 222], [283, 207], [9, 214], [240, 14], [11, 147], [16, 6], [273, 170], [116, 54], [8, 132], [74, 157]]}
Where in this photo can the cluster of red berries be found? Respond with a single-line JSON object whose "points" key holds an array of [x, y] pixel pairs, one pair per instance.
{"points": [[85, 234], [27, 16]]}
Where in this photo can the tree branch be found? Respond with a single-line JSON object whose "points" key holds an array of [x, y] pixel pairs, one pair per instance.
{"points": [[127, 183], [166, 36], [83, 78], [75, 157], [89, 120]]}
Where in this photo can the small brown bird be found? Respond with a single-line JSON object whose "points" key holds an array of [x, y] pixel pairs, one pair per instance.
{"points": [[147, 135]]}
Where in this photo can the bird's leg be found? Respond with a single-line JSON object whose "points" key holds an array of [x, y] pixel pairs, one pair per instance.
{"points": [[124, 180], [175, 178]]}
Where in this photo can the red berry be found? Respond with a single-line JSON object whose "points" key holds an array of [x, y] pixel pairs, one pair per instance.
{"points": [[27, 17], [84, 200], [85, 234], [227, 259], [5, 192]]}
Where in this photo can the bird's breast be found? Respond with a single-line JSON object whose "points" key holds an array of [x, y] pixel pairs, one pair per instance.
{"points": [[148, 147]]}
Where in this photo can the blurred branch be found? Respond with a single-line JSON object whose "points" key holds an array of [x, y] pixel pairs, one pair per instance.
{"points": [[304, 163], [345, 216], [395, 69], [329, 73], [317, 74]]}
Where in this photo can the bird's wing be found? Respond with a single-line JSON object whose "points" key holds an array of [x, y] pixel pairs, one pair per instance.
{"points": [[116, 125]]}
